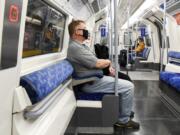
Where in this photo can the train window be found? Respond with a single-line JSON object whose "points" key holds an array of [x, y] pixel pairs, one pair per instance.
{"points": [[44, 29]]}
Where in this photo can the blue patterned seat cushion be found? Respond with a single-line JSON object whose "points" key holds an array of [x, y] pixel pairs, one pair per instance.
{"points": [[174, 54], [40, 83], [90, 96], [144, 52], [166, 76], [80, 95], [175, 82]]}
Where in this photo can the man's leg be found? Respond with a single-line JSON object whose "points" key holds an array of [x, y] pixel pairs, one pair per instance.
{"points": [[124, 76], [125, 91]]}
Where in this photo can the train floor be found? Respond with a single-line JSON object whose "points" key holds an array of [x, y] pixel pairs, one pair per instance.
{"points": [[151, 112]]}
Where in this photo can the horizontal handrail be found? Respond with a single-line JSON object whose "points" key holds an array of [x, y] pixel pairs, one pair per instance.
{"points": [[34, 111]]}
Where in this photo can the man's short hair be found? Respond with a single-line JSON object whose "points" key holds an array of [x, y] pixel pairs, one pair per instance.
{"points": [[73, 25]]}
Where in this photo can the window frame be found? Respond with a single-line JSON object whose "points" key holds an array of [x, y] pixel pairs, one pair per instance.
{"points": [[34, 63]]}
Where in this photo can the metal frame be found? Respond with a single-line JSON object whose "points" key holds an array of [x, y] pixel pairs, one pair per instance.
{"points": [[164, 37], [112, 28], [116, 47]]}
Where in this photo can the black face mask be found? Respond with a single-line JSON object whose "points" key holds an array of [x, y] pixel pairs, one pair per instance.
{"points": [[85, 34]]}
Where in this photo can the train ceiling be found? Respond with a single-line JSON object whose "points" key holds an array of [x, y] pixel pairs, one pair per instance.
{"points": [[82, 9], [122, 9]]}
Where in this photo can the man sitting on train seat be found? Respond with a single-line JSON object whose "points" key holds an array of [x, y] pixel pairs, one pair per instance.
{"points": [[140, 46], [85, 61]]}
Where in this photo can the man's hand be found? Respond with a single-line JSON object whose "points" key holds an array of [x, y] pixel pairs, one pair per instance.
{"points": [[111, 71]]}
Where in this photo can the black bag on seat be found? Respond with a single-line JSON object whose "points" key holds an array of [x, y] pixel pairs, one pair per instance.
{"points": [[123, 58], [102, 52]]}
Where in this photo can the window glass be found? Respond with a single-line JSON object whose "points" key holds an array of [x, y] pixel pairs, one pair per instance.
{"points": [[44, 29]]}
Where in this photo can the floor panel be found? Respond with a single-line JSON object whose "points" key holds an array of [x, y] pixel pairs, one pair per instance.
{"points": [[138, 75]]}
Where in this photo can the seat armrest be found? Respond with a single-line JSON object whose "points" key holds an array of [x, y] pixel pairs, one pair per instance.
{"points": [[76, 82], [88, 77]]}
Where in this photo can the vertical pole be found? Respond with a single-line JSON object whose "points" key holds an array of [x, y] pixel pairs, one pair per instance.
{"points": [[128, 15], [164, 37], [112, 32], [132, 42], [136, 38], [116, 46]]}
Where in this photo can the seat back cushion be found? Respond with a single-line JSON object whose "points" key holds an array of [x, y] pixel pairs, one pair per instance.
{"points": [[40, 83], [147, 53], [144, 52]]}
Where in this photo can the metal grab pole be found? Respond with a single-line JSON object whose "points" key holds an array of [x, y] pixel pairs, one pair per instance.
{"points": [[164, 37], [116, 47], [128, 14], [112, 31]]}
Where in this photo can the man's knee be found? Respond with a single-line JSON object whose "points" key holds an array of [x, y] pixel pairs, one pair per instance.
{"points": [[126, 86], [131, 86]]}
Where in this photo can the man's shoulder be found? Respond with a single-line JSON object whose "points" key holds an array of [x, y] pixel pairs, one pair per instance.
{"points": [[74, 50], [73, 45]]}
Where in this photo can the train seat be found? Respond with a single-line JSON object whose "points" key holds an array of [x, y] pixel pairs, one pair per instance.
{"points": [[171, 75], [174, 57], [174, 54], [51, 101], [80, 95], [144, 54], [95, 105], [172, 79], [175, 82], [167, 76], [41, 83]]}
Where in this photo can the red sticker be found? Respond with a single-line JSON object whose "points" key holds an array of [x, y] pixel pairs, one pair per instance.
{"points": [[13, 13]]}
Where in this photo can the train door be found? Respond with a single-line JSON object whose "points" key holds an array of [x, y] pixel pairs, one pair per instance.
{"points": [[10, 16]]}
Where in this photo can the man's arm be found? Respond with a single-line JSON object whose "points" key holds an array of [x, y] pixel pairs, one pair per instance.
{"points": [[103, 63]]}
